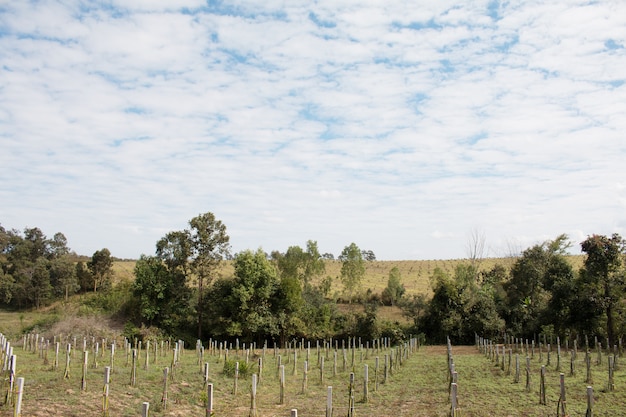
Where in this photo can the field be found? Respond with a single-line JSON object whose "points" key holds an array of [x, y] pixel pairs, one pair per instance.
{"points": [[415, 274], [417, 387]]}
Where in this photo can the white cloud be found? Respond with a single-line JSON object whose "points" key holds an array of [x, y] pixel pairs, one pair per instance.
{"points": [[393, 126]]}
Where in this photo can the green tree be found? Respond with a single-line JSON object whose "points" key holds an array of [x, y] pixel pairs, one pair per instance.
{"points": [[604, 277], [40, 277], [246, 306], [63, 276], [162, 294], [84, 277], [101, 267], [198, 253], [299, 264], [352, 268], [527, 296], [394, 291]]}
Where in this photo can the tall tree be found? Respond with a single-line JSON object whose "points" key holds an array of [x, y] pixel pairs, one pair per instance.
{"points": [[101, 267], [197, 252], [604, 275], [352, 268], [210, 245]]}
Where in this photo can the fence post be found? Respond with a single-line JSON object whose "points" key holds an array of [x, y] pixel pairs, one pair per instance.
{"points": [[562, 409], [105, 395], [329, 401], [20, 392], [166, 371], [253, 411], [209, 400], [282, 384], [589, 412], [542, 386]]}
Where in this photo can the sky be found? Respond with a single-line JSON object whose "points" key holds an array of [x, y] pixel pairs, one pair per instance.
{"points": [[406, 127]]}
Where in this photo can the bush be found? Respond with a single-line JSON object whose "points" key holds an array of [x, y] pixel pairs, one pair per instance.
{"points": [[245, 369]]}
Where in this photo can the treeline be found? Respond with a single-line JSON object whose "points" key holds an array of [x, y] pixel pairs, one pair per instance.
{"points": [[35, 270], [285, 295]]}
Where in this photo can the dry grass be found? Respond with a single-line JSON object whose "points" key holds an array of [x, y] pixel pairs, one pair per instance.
{"points": [[415, 274]]}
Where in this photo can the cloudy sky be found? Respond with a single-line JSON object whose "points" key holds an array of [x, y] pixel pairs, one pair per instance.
{"points": [[402, 126]]}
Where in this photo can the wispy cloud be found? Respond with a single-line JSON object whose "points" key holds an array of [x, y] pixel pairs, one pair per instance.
{"points": [[398, 126]]}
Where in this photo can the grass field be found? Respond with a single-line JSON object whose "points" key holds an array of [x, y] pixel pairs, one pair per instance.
{"points": [[415, 274], [419, 387]]}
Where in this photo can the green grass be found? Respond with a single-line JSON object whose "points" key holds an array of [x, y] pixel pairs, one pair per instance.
{"points": [[417, 388]]}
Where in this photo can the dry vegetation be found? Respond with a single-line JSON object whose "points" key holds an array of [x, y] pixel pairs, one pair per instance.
{"points": [[415, 274]]}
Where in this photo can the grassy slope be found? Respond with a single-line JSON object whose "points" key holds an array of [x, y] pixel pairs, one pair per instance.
{"points": [[415, 274]]}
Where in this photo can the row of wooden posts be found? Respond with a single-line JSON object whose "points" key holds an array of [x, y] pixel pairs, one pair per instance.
{"points": [[395, 357], [498, 352]]}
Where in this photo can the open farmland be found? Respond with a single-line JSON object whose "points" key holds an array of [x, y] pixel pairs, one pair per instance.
{"points": [[416, 387]]}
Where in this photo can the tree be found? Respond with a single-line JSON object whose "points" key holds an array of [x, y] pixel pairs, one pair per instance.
{"points": [[63, 276], [476, 247], [197, 252], [368, 255], [209, 246], [604, 277], [394, 290], [528, 290], [301, 265], [247, 305], [352, 268], [162, 294], [40, 277], [101, 267]]}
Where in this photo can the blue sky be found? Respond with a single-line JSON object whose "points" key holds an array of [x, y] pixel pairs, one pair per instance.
{"points": [[402, 126]]}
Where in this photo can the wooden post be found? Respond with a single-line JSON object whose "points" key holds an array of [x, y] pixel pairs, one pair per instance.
{"points": [[329, 401], [562, 408], [305, 376], [351, 396], [68, 351], [322, 370], [105, 394], [611, 384], [133, 370], [365, 383], [236, 378], [253, 411], [146, 363], [145, 409], [209, 401], [376, 374], [589, 412], [112, 355], [55, 366], [166, 371], [453, 400], [261, 368], [282, 384], [542, 386], [527, 374], [206, 374], [83, 379], [516, 378]]}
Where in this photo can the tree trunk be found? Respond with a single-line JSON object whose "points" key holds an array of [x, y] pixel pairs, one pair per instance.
{"points": [[200, 307]]}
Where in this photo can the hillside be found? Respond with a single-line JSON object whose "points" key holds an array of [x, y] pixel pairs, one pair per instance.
{"points": [[415, 274]]}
